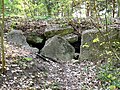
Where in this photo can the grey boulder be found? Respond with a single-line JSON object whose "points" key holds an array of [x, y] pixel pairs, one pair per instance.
{"points": [[58, 48], [16, 37], [93, 43]]}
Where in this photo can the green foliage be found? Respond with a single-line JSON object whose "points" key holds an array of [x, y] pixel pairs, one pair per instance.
{"points": [[86, 45], [29, 8], [116, 45], [24, 62], [51, 8], [52, 86], [55, 86], [96, 40], [110, 76], [6, 2], [27, 59], [109, 72]]}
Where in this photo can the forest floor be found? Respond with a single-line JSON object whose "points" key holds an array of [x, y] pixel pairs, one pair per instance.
{"points": [[37, 74]]}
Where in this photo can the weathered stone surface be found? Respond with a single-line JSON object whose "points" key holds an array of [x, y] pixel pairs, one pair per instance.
{"points": [[91, 43], [32, 38], [74, 40], [16, 37], [39, 39], [58, 48], [49, 32], [71, 38]]}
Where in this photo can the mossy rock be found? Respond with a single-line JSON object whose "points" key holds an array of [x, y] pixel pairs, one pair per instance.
{"points": [[58, 31], [58, 49], [33, 38], [71, 38], [93, 44]]}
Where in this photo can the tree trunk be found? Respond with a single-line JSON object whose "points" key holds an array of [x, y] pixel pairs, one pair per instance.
{"points": [[113, 2], [118, 2], [87, 8], [2, 39]]}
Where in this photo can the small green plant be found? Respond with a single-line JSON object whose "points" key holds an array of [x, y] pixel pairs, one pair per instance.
{"points": [[109, 76], [52, 86], [24, 62], [27, 59], [55, 86]]}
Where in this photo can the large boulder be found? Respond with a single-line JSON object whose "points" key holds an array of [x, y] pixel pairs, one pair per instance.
{"points": [[35, 38], [58, 48], [72, 38], [16, 37], [93, 43], [52, 31]]}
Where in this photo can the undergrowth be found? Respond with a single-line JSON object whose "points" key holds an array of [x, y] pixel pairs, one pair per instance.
{"points": [[109, 76]]}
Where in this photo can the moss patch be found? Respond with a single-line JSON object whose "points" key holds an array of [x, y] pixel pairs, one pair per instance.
{"points": [[61, 32]]}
